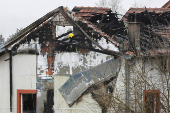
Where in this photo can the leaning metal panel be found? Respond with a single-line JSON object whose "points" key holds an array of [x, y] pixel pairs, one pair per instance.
{"points": [[77, 84]]}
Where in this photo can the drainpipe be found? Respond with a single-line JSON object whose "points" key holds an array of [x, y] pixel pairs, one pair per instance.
{"points": [[10, 67], [127, 85], [128, 64], [10, 78]]}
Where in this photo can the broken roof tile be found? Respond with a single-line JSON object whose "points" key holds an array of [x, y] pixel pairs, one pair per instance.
{"points": [[140, 10]]}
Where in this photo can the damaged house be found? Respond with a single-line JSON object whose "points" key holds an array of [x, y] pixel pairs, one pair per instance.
{"points": [[43, 69], [143, 84], [87, 60]]}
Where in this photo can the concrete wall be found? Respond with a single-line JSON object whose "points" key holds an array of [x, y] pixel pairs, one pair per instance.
{"points": [[24, 77]]}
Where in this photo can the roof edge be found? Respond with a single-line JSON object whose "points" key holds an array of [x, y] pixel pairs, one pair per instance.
{"points": [[166, 4]]}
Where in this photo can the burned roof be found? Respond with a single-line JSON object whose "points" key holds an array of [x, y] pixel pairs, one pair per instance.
{"points": [[103, 21], [140, 10], [102, 24], [154, 28], [88, 30]]}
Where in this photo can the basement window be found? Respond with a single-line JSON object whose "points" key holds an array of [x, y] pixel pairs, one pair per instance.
{"points": [[151, 101]]}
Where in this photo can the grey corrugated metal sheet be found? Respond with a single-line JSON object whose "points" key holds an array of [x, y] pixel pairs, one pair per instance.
{"points": [[77, 84]]}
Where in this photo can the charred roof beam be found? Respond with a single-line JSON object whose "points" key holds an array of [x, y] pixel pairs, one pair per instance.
{"points": [[89, 48], [63, 35]]}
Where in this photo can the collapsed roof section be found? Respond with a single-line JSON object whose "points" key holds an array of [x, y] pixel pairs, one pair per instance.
{"points": [[77, 84], [90, 33], [102, 18], [63, 17]]}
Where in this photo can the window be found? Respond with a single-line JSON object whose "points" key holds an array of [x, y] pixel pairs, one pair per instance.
{"points": [[151, 100], [26, 101], [165, 64]]}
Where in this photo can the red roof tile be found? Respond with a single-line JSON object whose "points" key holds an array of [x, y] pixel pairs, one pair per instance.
{"points": [[91, 8], [166, 5], [87, 12]]}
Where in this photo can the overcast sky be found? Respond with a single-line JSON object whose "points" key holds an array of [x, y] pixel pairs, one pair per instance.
{"points": [[20, 13]]}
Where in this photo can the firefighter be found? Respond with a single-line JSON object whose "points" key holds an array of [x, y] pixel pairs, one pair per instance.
{"points": [[73, 40], [70, 35]]}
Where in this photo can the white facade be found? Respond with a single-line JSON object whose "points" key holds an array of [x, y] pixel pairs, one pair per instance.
{"points": [[24, 77]]}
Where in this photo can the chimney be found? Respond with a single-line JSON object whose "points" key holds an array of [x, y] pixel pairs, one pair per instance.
{"points": [[134, 35]]}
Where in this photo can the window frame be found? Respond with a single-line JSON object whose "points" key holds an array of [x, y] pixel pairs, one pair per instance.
{"points": [[157, 92], [19, 92]]}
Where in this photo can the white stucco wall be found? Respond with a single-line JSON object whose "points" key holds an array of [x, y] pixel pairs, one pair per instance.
{"points": [[24, 77], [69, 63]]}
